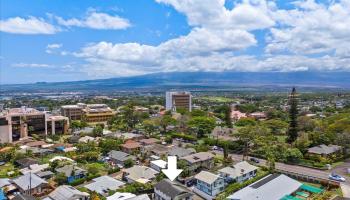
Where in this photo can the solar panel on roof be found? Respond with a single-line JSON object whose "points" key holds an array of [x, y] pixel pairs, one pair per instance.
{"points": [[264, 181]]}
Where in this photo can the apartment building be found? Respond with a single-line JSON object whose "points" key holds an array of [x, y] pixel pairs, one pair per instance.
{"points": [[91, 113], [17, 123], [178, 100]]}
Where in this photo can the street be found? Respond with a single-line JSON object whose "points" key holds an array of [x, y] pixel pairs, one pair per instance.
{"points": [[341, 170]]}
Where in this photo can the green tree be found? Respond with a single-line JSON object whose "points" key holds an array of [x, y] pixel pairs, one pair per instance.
{"points": [[61, 178], [228, 120], [293, 155], [276, 126], [202, 125], [246, 136], [97, 131], [306, 124], [108, 144], [247, 121], [150, 126], [93, 168], [165, 121], [293, 117], [53, 165], [128, 163]]}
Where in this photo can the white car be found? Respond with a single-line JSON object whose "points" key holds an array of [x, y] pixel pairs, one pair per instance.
{"points": [[336, 177]]}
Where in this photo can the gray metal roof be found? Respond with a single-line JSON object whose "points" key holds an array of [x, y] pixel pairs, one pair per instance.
{"points": [[68, 169], [66, 192], [324, 149], [4, 182], [281, 185], [119, 155], [28, 179], [181, 152], [171, 189], [102, 184], [140, 172]]}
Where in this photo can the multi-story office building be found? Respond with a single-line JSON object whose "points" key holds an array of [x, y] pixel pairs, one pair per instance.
{"points": [[57, 125], [17, 123], [91, 113], [178, 100], [73, 112]]}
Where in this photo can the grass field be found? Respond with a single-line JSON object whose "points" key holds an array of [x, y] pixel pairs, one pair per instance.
{"points": [[218, 99]]}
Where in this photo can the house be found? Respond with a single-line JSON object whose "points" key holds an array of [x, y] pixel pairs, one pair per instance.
{"points": [[208, 185], [157, 149], [127, 196], [181, 152], [38, 144], [258, 115], [23, 197], [223, 133], [25, 162], [240, 172], [131, 147], [121, 196], [72, 172], [66, 192], [141, 174], [45, 174], [31, 184], [127, 136], [280, 184], [324, 150], [199, 160], [103, 184], [169, 190], [158, 165], [119, 157], [86, 139], [236, 115], [34, 168], [149, 141]]}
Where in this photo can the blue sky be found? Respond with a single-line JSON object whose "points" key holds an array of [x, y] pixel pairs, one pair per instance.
{"points": [[63, 40]]}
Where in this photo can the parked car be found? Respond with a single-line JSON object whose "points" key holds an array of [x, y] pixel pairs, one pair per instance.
{"points": [[255, 160], [336, 177]]}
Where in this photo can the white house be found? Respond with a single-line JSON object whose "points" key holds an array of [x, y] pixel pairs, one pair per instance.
{"points": [[239, 172], [208, 185], [158, 165]]}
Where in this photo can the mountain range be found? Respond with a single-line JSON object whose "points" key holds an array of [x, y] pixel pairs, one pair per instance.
{"points": [[195, 80]]}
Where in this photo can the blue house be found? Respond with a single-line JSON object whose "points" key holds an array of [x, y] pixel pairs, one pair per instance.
{"points": [[208, 185], [72, 172]]}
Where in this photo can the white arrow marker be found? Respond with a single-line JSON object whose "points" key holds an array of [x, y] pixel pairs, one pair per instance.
{"points": [[172, 172]]}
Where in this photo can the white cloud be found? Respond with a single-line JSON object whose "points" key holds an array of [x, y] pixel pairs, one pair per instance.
{"points": [[96, 20], [312, 28], [32, 65], [50, 48], [31, 25], [311, 36], [213, 14]]}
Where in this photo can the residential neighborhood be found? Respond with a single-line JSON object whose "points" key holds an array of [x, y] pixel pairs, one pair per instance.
{"points": [[236, 151]]}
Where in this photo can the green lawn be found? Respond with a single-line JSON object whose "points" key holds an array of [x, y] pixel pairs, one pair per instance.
{"points": [[218, 99]]}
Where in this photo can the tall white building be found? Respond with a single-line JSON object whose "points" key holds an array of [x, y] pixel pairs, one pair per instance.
{"points": [[178, 100]]}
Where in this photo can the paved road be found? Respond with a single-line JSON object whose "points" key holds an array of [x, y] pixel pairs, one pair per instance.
{"points": [[290, 168], [341, 170], [286, 167]]}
